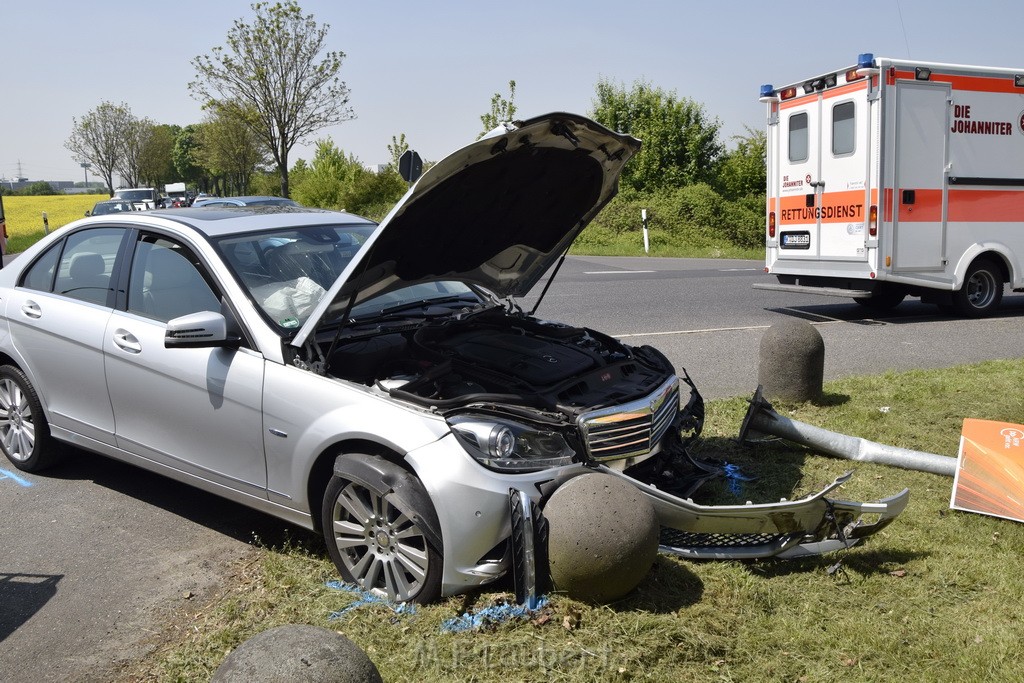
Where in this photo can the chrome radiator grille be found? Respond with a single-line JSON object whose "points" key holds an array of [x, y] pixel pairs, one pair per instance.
{"points": [[631, 429]]}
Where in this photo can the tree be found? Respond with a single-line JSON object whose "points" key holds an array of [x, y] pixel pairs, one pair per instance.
{"points": [[185, 156], [680, 143], [98, 139], [271, 66], [335, 180], [743, 171], [502, 110], [136, 137], [325, 183], [228, 147], [396, 149], [39, 187], [156, 161]]}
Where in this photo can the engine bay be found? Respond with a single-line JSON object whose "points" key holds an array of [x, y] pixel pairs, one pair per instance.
{"points": [[497, 357]]}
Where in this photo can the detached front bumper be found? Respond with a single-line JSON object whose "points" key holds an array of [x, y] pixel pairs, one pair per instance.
{"points": [[809, 526]]}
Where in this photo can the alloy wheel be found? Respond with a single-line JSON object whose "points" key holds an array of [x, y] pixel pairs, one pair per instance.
{"points": [[17, 429], [384, 551]]}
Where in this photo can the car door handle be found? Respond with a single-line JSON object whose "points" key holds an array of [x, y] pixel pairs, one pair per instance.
{"points": [[126, 341], [31, 309]]}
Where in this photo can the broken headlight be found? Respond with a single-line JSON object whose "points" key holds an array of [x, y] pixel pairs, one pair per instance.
{"points": [[510, 446]]}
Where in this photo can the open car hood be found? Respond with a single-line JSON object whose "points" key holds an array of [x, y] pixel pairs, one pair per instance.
{"points": [[496, 213]]}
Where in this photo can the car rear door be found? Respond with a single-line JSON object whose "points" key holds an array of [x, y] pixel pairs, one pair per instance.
{"points": [[195, 410]]}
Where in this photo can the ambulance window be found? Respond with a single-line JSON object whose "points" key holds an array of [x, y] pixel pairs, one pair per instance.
{"points": [[798, 137], [843, 130]]}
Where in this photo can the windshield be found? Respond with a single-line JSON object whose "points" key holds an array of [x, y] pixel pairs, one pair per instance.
{"points": [[135, 195], [102, 208], [286, 272]]}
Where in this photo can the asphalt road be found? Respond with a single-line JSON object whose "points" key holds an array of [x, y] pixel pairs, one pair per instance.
{"points": [[96, 556], [704, 315]]}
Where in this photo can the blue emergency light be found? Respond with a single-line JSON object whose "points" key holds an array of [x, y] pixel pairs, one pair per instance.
{"points": [[767, 90], [865, 60]]}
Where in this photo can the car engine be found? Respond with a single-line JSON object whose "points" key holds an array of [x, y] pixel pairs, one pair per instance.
{"points": [[496, 357]]}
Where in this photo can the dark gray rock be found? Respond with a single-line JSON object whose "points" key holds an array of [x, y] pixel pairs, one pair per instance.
{"points": [[299, 654], [792, 361], [603, 537]]}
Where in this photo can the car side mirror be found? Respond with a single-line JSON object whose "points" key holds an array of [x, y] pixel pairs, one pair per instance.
{"points": [[205, 329], [88, 213]]}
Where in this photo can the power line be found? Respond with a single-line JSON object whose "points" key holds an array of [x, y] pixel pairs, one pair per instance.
{"points": [[904, 27]]}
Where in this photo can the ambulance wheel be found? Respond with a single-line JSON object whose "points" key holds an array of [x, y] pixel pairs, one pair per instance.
{"points": [[982, 290], [884, 299]]}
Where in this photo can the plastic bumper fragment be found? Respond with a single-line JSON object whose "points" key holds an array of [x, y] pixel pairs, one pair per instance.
{"points": [[788, 529]]}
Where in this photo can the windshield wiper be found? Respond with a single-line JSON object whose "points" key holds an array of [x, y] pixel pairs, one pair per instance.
{"points": [[389, 311]]}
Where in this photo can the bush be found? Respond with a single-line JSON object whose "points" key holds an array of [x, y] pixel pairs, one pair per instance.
{"points": [[38, 189], [692, 219]]}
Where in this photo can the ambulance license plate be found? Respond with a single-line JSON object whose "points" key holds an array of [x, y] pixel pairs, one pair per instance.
{"points": [[795, 240]]}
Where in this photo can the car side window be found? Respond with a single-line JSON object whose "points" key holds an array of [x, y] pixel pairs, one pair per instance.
{"points": [[40, 275], [87, 264], [168, 281]]}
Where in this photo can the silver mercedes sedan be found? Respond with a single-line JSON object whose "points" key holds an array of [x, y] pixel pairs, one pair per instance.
{"points": [[378, 384]]}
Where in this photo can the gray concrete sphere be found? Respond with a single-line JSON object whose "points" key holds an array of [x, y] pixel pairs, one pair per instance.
{"points": [[603, 537], [792, 364], [303, 654]]}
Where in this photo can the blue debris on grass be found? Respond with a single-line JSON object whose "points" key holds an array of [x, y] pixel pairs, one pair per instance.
{"points": [[735, 478], [365, 598], [488, 616]]}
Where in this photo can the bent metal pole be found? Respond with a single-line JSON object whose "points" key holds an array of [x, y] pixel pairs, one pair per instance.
{"points": [[761, 417]]}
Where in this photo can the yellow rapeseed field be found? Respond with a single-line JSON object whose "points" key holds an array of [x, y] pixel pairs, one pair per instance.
{"points": [[25, 215]]}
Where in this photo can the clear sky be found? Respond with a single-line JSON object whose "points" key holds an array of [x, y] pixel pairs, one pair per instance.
{"points": [[429, 69]]}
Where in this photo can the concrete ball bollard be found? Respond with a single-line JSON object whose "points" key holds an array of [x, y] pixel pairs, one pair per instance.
{"points": [[602, 537], [303, 654], [792, 362]]}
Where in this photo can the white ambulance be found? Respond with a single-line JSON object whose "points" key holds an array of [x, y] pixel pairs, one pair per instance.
{"points": [[891, 178]]}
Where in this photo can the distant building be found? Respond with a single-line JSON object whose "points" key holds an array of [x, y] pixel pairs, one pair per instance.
{"points": [[63, 186]]}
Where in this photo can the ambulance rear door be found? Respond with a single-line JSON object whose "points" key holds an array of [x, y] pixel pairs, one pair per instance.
{"points": [[822, 182]]}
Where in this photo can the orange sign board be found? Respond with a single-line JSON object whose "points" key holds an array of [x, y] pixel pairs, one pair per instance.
{"points": [[990, 470]]}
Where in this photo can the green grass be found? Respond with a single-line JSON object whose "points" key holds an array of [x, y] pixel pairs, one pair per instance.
{"points": [[633, 247], [596, 241], [937, 596]]}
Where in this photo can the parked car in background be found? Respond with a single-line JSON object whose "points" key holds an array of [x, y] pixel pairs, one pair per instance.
{"points": [[143, 198], [379, 384], [110, 206], [245, 201]]}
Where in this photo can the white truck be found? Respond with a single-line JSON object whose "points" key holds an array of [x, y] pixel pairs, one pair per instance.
{"points": [[175, 192], [142, 198], [891, 178]]}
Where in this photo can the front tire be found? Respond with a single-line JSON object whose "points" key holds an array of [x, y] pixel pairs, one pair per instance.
{"points": [[24, 433], [377, 521], [982, 291]]}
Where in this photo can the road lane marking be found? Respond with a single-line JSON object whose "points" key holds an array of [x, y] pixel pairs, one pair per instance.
{"points": [[715, 329], [7, 474], [617, 272]]}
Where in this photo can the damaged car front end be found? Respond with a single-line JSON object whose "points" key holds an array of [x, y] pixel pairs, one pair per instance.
{"points": [[525, 403]]}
